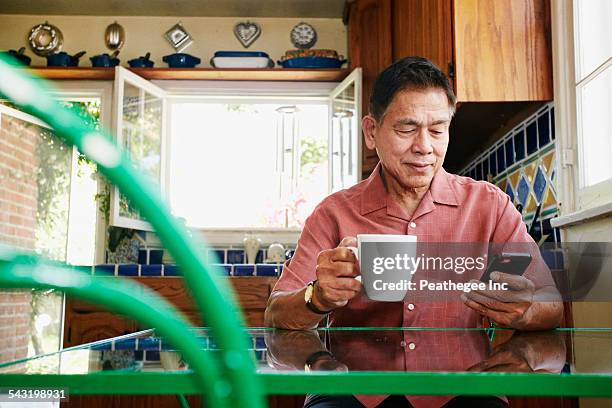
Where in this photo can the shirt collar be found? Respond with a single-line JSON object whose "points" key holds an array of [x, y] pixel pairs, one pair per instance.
{"points": [[374, 196]]}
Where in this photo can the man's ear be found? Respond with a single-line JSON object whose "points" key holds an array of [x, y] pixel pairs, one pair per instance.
{"points": [[369, 127]]}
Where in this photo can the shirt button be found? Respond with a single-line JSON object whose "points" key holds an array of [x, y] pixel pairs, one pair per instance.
{"points": [[403, 343], [411, 346], [410, 306], [412, 225]]}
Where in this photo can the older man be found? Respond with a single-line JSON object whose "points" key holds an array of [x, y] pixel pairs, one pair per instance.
{"points": [[409, 192]]}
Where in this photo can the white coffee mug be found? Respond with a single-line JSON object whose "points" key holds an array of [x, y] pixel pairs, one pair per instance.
{"points": [[386, 264]]}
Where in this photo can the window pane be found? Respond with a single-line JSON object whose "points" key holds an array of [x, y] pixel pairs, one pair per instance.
{"points": [[596, 128], [593, 34], [141, 131], [247, 164]]}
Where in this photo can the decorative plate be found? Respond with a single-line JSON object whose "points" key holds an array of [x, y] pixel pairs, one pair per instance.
{"points": [[247, 33], [45, 39], [303, 36]]}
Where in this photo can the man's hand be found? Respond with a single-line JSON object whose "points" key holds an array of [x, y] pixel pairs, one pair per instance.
{"points": [[336, 272], [527, 352], [507, 308]]}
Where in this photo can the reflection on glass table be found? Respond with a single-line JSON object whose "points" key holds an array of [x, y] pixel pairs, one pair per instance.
{"points": [[349, 360]]}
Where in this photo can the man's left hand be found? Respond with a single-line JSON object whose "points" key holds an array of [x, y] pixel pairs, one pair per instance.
{"points": [[507, 308]]}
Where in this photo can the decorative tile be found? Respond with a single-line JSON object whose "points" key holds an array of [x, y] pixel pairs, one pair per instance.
{"points": [[226, 269], [530, 171], [510, 192], [539, 184], [509, 147], [156, 256], [150, 270], [502, 184], [244, 270], [532, 137], [128, 270], [547, 161], [549, 199], [268, 269], [142, 256], [105, 269], [543, 130], [519, 145], [493, 164], [501, 159], [529, 206], [513, 179], [552, 121], [235, 256], [522, 190], [216, 256], [171, 270]]}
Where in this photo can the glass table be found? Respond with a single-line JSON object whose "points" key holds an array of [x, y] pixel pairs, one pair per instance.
{"points": [[409, 361]]}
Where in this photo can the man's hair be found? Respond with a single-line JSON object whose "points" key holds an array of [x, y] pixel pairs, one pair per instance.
{"points": [[414, 73]]}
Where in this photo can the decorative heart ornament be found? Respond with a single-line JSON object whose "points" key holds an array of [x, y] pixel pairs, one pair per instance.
{"points": [[247, 33]]}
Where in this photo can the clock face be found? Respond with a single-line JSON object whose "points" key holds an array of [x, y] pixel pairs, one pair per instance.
{"points": [[303, 35]]}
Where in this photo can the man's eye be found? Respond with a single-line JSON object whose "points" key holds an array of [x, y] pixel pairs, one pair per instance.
{"points": [[436, 132], [405, 131]]}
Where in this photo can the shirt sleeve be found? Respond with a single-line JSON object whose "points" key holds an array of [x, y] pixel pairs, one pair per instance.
{"points": [[510, 235], [320, 232]]}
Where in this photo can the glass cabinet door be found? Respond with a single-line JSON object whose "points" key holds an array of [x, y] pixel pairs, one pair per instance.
{"points": [[139, 113], [345, 133]]}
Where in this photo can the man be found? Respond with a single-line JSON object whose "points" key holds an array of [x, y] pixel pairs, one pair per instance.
{"points": [[409, 192]]}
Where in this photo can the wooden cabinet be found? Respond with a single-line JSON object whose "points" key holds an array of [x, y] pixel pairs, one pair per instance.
{"points": [[497, 52], [369, 32], [84, 322], [503, 50], [424, 28]]}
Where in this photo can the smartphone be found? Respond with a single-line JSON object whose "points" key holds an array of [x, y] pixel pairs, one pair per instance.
{"points": [[513, 263]]}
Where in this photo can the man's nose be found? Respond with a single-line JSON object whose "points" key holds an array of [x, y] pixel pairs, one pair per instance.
{"points": [[422, 143]]}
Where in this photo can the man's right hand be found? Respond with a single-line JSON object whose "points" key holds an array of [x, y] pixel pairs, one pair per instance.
{"points": [[336, 272]]}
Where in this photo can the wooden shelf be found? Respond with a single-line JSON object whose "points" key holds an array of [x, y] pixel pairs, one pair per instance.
{"points": [[209, 74]]}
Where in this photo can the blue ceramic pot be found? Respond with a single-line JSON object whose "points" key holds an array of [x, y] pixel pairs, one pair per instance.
{"points": [[180, 60], [19, 56], [104, 60], [62, 59], [141, 62]]}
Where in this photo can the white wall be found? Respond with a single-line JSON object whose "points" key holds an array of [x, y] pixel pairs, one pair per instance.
{"points": [[144, 34]]}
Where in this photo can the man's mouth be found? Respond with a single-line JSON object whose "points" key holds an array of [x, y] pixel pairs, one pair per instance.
{"points": [[419, 167]]}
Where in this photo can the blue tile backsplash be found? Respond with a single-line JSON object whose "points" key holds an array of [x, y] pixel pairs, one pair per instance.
{"points": [[522, 164]]}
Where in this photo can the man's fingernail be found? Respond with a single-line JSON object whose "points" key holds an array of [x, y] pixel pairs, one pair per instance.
{"points": [[495, 275], [463, 297]]}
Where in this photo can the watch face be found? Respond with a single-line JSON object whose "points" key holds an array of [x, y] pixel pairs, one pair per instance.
{"points": [[303, 35]]}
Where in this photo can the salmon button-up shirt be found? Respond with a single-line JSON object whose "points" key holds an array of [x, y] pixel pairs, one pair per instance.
{"points": [[455, 209]]}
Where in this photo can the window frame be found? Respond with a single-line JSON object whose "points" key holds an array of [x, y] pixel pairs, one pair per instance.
{"points": [[580, 203]]}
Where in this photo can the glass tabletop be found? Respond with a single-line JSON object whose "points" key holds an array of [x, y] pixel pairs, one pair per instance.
{"points": [[558, 362]]}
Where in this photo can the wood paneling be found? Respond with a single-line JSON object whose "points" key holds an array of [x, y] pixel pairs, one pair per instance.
{"points": [[503, 50], [85, 322], [423, 28], [370, 38]]}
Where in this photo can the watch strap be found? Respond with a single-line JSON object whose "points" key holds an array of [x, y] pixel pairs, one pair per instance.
{"points": [[309, 303]]}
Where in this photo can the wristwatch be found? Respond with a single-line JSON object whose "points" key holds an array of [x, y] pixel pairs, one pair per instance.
{"points": [[308, 299]]}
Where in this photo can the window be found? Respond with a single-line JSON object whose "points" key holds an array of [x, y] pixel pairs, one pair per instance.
{"points": [[230, 156], [247, 163], [593, 82]]}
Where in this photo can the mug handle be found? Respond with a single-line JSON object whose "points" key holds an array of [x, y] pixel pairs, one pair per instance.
{"points": [[356, 252]]}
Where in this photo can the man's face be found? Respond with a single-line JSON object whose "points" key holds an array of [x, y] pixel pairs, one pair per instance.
{"points": [[412, 137]]}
